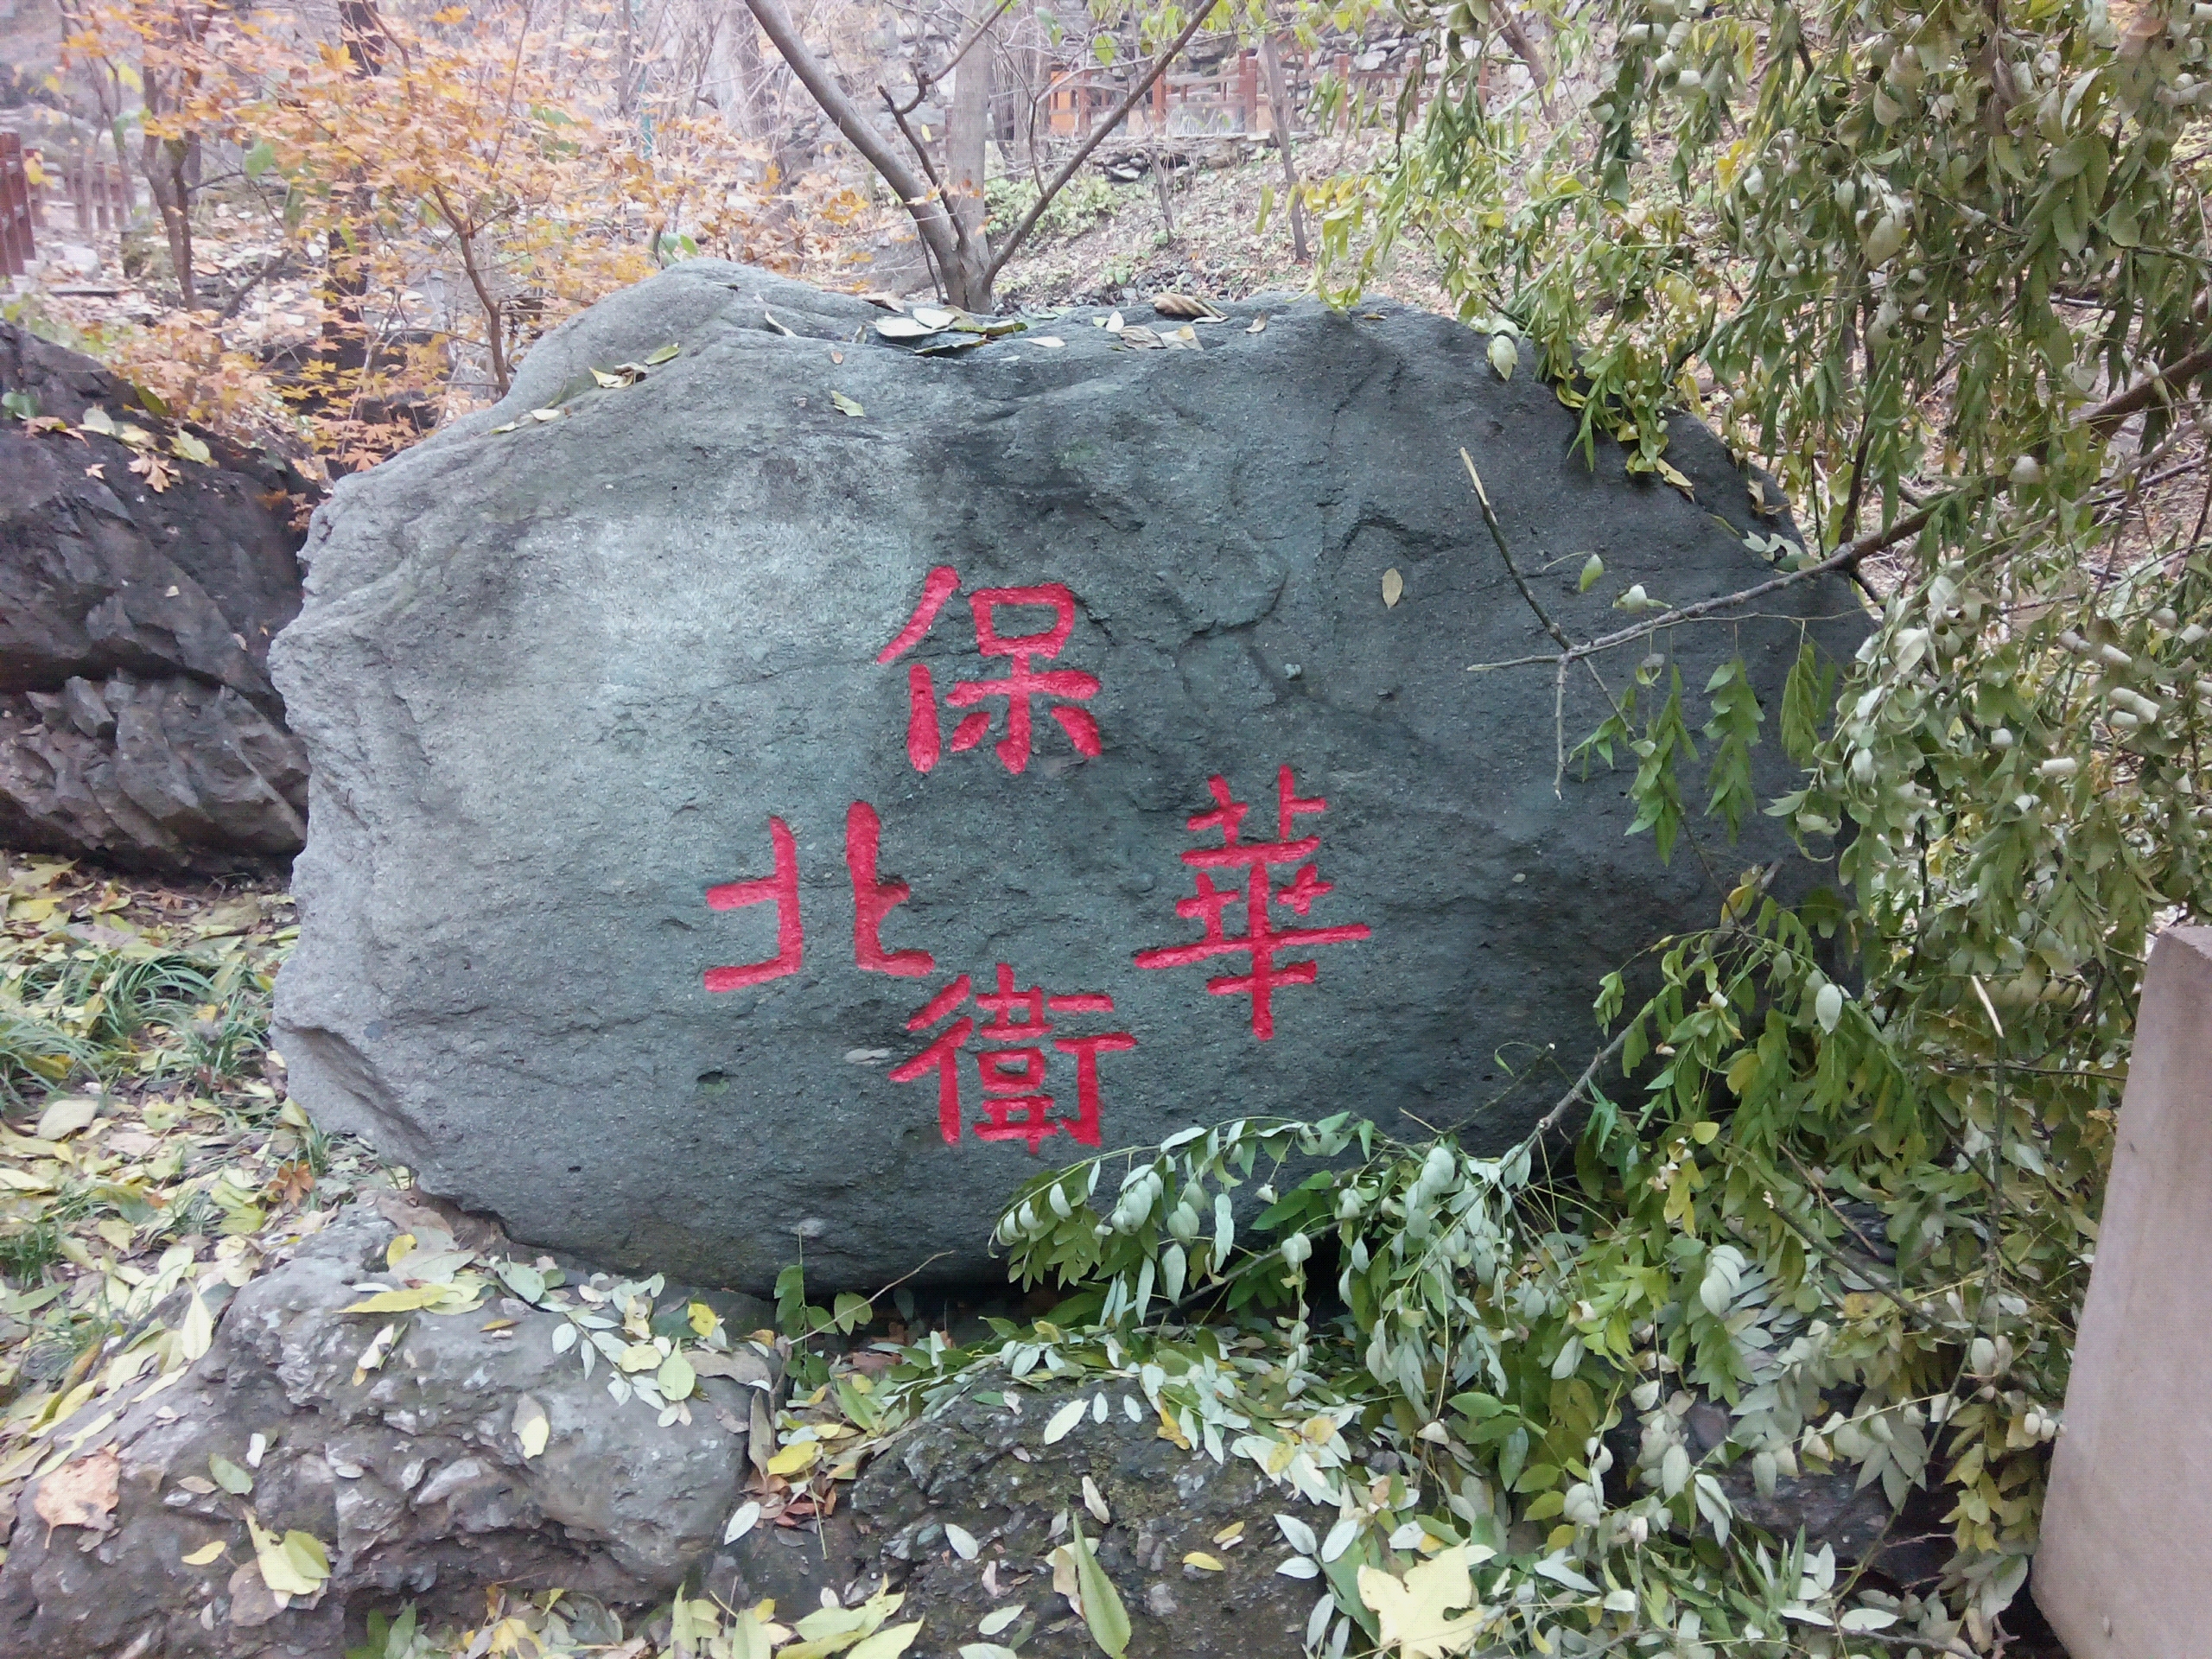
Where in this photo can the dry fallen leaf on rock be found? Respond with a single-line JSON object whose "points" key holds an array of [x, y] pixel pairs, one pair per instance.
{"points": [[1064, 1420], [296, 1564], [907, 328], [1185, 305], [197, 1333], [531, 1426], [1394, 586], [795, 1459], [232, 1478], [80, 1494]]}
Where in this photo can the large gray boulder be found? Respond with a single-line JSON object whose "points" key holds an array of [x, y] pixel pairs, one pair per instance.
{"points": [[137, 722], [685, 887]]}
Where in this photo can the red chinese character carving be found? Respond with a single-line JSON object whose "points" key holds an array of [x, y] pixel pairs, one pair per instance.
{"points": [[1020, 685], [872, 899], [1261, 941], [1012, 1071], [783, 888]]}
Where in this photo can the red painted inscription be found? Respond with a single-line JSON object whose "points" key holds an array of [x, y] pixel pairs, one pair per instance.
{"points": [[782, 888], [1010, 1060], [1021, 687], [872, 899], [1261, 941]]}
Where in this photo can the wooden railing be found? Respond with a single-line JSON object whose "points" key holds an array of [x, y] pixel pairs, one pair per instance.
{"points": [[100, 191], [1229, 96]]}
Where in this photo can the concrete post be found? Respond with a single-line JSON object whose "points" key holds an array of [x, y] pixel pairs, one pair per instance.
{"points": [[2125, 1567]]}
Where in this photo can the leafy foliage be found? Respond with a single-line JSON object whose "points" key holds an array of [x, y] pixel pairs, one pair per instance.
{"points": [[1069, 212]]}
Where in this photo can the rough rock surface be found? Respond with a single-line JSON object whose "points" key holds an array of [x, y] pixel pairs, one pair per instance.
{"points": [[963, 1468], [604, 704], [413, 1478], [137, 721]]}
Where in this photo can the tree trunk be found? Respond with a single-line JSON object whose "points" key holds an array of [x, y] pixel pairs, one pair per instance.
{"points": [[175, 202], [1158, 157], [966, 154], [495, 321], [754, 107], [166, 180], [1278, 116], [626, 60], [344, 350]]}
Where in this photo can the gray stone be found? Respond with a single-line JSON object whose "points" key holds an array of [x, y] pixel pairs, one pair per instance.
{"points": [[559, 682], [137, 722], [412, 1478], [173, 773]]}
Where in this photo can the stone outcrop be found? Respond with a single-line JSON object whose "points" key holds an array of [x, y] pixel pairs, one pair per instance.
{"points": [[807, 785], [137, 722], [411, 1475]]}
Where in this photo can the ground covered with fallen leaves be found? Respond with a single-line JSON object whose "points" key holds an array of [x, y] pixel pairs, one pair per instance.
{"points": [[147, 1148], [149, 1157]]}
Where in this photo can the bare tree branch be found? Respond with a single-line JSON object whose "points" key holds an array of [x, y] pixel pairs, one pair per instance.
{"points": [[925, 79], [1015, 236], [2102, 419], [1517, 36], [913, 139], [931, 221], [2106, 417], [1279, 108]]}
